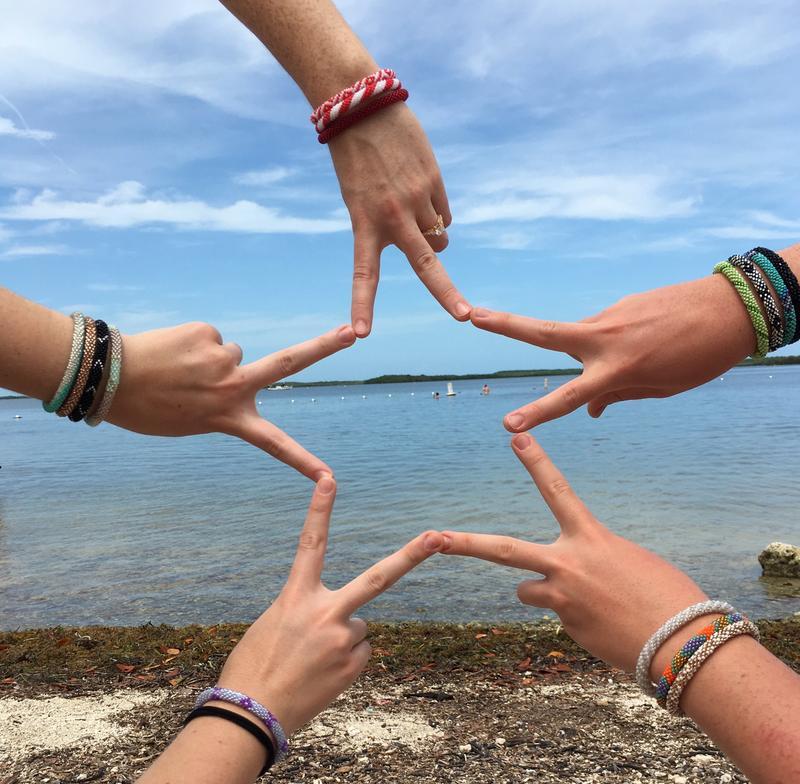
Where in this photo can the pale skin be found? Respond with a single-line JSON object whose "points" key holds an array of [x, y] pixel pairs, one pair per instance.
{"points": [[178, 381], [611, 595], [389, 177], [304, 651], [654, 344]]}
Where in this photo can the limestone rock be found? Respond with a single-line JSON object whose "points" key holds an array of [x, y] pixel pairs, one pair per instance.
{"points": [[780, 560]]}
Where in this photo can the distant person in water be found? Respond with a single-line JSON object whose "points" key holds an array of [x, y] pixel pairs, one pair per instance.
{"points": [[485, 390], [435, 395]]}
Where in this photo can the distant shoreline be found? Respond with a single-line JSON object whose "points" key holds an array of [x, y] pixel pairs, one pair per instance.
{"points": [[406, 378]]}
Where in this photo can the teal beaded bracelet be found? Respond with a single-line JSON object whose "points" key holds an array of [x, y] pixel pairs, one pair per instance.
{"points": [[73, 365], [768, 268]]}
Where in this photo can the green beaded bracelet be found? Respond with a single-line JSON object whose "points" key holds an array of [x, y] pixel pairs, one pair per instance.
{"points": [[73, 365], [750, 302]]}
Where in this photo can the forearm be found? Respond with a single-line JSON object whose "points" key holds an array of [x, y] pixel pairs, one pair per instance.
{"points": [[35, 346], [310, 39], [208, 751], [748, 702]]}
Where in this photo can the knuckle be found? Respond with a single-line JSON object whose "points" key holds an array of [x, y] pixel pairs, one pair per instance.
{"points": [[426, 262], [560, 487], [365, 273], [571, 395], [392, 210], [550, 327], [376, 580], [506, 550], [286, 362], [309, 541]]}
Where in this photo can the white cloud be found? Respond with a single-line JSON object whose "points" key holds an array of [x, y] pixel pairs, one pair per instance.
{"points": [[112, 287], [5, 234], [758, 225], [7, 128], [16, 251], [128, 205], [263, 176], [530, 197]]}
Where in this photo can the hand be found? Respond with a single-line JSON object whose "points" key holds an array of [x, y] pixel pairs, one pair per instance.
{"points": [[610, 594], [393, 189], [183, 381], [654, 344], [306, 649]]}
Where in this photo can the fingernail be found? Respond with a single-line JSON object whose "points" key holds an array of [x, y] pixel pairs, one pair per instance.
{"points": [[515, 421], [326, 485], [480, 313], [462, 309], [346, 334], [522, 441], [362, 328], [432, 542]]}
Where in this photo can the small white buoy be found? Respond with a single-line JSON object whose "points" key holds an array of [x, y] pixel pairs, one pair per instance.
{"points": [[363, 397], [342, 397], [259, 402], [17, 416], [722, 378], [390, 394], [412, 394], [313, 400], [292, 400], [770, 376]]}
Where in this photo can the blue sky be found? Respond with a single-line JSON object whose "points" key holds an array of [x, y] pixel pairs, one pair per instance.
{"points": [[165, 170]]}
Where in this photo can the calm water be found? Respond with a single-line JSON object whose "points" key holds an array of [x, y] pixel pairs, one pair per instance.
{"points": [[104, 526]]}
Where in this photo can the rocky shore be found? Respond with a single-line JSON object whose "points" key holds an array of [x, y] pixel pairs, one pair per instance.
{"points": [[439, 703]]}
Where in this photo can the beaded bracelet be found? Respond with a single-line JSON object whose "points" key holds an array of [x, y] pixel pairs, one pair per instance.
{"points": [[685, 653], [717, 640], [73, 364], [113, 380], [758, 282], [87, 359], [251, 706], [768, 270], [352, 100], [789, 279], [748, 298], [327, 106], [349, 120], [665, 632], [95, 373]]}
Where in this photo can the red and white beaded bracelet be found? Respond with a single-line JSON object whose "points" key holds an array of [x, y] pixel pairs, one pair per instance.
{"points": [[354, 103], [381, 74]]}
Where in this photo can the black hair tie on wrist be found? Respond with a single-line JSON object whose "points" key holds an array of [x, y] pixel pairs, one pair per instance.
{"points": [[102, 341], [785, 271], [239, 721]]}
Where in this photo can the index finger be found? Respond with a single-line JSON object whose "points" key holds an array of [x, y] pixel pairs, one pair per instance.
{"points": [[566, 336], [290, 360], [503, 550], [310, 558], [431, 272], [387, 572], [264, 435], [568, 509]]}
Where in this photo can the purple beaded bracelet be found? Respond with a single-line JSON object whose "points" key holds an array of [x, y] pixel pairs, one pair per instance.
{"points": [[251, 706]]}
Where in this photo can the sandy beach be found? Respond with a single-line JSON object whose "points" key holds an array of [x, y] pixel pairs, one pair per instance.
{"points": [[439, 703]]}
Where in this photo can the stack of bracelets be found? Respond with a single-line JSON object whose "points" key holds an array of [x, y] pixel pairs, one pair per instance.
{"points": [[91, 378], [758, 276], [265, 717], [688, 660], [356, 103]]}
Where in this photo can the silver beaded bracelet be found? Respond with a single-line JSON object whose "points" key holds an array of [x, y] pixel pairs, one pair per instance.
{"points": [[113, 380], [666, 631]]}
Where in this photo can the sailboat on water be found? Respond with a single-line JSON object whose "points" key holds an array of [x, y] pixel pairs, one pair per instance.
{"points": [[450, 392]]}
